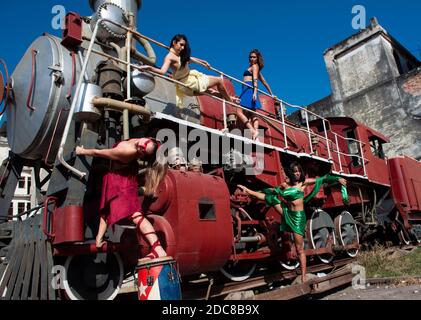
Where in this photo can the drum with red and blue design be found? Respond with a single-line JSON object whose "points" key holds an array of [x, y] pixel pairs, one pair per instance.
{"points": [[158, 279]]}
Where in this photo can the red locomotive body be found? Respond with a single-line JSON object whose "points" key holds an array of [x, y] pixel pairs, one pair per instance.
{"points": [[202, 219]]}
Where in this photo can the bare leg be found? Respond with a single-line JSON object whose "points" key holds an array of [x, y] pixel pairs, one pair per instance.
{"points": [[256, 128], [299, 244], [99, 240], [245, 120], [215, 81], [256, 123], [146, 229]]}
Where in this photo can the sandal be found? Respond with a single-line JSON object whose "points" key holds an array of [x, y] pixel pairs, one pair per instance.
{"points": [[100, 244], [153, 254]]}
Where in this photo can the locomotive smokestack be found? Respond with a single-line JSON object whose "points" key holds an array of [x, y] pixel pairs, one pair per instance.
{"points": [[127, 5], [116, 11]]}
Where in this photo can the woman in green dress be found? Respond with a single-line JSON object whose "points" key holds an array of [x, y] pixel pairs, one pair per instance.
{"points": [[291, 209]]}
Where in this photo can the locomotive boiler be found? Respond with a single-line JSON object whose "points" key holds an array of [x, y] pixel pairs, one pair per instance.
{"points": [[85, 89]]}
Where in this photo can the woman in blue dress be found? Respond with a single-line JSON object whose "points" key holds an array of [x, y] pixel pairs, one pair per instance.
{"points": [[249, 95]]}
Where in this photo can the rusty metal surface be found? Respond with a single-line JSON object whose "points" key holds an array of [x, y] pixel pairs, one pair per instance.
{"points": [[25, 272], [288, 293], [200, 290], [1, 87], [315, 286], [406, 188]]}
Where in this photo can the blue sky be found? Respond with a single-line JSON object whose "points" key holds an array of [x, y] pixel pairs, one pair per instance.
{"points": [[291, 34]]}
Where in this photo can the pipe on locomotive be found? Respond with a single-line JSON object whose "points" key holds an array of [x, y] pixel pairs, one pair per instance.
{"points": [[120, 106], [128, 6], [60, 157], [128, 47]]}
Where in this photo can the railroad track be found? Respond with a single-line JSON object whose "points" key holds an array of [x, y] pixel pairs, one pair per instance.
{"points": [[206, 288], [262, 286]]}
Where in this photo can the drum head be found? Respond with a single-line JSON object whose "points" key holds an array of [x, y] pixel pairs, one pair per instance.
{"points": [[154, 262]]}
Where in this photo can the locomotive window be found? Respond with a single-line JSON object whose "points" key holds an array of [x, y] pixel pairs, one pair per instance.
{"points": [[376, 148], [207, 209], [321, 128], [353, 148]]}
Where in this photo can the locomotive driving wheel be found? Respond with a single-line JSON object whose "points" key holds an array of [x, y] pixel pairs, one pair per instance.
{"points": [[289, 264], [321, 232], [403, 234], [347, 232], [238, 271], [93, 277]]}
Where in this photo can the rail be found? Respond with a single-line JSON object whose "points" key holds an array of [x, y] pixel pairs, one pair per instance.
{"points": [[282, 122], [310, 133]]}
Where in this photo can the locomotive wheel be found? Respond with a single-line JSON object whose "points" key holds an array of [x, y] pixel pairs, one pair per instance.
{"points": [[291, 264], [321, 229], [238, 271], [93, 277], [347, 232], [416, 236], [403, 235]]}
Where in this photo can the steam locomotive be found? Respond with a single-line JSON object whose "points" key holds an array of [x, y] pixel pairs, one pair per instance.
{"points": [[84, 89]]}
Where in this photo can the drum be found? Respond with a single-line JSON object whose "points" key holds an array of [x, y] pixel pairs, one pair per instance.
{"points": [[158, 279]]}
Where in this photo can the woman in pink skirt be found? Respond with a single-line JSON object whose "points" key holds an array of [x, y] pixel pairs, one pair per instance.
{"points": [[119, 198]]}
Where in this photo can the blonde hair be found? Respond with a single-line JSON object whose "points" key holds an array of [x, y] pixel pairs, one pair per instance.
{"points": [[154, 175]]}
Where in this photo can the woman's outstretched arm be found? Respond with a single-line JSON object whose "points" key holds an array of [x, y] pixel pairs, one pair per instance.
{"points": [[163, 70], [264, 82], [118, 153], [201, 62]]}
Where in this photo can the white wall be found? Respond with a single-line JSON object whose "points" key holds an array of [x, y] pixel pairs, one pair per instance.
{"points": [[25, 196]]}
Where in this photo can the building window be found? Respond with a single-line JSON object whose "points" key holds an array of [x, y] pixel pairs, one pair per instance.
{"points": [[11, 209], [21, 207], [21, 183], [28, 186], [398, 62]]}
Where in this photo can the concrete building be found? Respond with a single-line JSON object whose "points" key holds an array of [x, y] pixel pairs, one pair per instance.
{"points": [[377, 81], [25, 194]]}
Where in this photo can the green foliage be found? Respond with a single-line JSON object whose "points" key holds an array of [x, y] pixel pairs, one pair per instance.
{"points": [[381, 263]]}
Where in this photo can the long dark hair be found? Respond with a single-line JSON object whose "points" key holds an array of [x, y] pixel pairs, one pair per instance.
{"points": [[260, 60], [290, 173], [185, 55]]}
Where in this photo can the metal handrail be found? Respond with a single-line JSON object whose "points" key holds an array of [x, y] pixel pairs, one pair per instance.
{"points": [[282, 102], [66, 131], [130, 65]]}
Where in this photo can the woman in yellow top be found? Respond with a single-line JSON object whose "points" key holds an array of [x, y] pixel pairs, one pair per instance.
{"points": [[292, 208], [195, 82]]}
